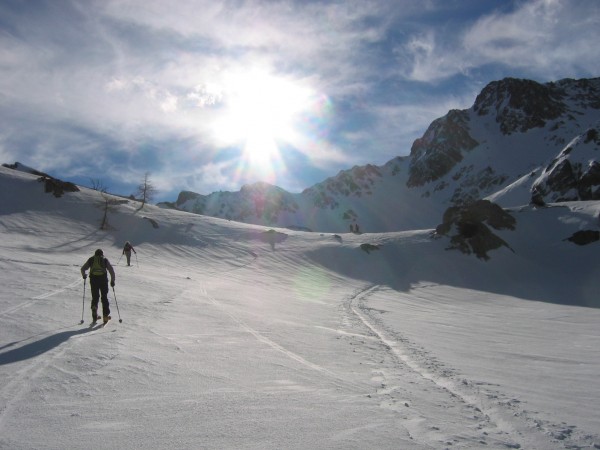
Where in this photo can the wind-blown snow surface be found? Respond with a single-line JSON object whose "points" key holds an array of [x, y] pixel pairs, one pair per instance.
{"points": [[229, 341]]}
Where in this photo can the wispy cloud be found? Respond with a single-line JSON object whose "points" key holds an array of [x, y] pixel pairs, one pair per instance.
{"points": [[141, 84], [546, 39]]}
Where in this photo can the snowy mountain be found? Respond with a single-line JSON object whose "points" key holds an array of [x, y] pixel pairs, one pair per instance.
{"points": [[237, 336], [498, 148]]}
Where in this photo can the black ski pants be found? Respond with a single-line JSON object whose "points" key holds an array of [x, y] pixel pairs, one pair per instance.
{"points": [[99, 286]]}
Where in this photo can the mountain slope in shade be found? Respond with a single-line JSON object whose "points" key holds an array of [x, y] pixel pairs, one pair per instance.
{"points": [[514, 130]]}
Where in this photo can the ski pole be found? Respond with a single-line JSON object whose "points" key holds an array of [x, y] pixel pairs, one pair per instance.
{"points": [[83, 302], [117, 303], [136, 261], [119, 259]]}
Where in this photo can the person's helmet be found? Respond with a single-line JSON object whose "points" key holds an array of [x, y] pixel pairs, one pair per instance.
{"points": [[99, 252]]}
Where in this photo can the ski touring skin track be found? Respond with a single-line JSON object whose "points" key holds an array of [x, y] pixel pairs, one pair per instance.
{"points": [[507, 421]]}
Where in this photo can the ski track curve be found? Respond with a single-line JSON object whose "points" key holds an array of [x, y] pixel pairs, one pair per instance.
{"points": [[340, 381], [523, 434]]}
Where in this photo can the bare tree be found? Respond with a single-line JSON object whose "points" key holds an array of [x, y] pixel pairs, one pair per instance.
{"points": [[146, 190], [107, 205], [98, 185]]}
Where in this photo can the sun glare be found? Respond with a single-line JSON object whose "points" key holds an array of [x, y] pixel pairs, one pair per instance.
{"points": [[259, 111]]}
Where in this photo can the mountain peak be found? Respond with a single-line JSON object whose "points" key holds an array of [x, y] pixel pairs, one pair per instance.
{"points": [[519, 105], [440, 148], [259, 186], [495, 150]]}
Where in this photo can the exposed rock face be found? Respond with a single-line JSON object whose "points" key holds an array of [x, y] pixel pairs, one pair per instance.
{"points": [[516, 106], [585, 93], [23, 168], [185, 196], [440, 149], [574, 174], [468, 229], [520, 105], [259, 200], [589, 182], [266, 201], [51, 185], [355, 182], [472, 184], [57, 187]]}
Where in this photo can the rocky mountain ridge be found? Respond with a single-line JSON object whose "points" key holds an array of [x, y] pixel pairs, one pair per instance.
{"points": [[521, 142]]}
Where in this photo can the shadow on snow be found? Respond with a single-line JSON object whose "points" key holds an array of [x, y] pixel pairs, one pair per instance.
{"points": [[37, 348]]}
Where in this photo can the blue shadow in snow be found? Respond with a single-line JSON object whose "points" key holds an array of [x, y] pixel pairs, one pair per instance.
{"points": [[37, 348]]}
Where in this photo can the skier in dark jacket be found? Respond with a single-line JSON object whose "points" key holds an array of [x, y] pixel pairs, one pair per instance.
{"points": [[99, 267], [127, 249]]}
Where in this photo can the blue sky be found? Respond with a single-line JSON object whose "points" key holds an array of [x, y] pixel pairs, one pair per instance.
{"points": [[210, 95]]}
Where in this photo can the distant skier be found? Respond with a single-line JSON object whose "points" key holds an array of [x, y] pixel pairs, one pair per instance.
{"points": [[99, 267], [127, 249]]}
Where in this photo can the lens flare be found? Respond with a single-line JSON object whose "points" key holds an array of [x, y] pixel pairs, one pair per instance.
{"points": [[262, 114]]}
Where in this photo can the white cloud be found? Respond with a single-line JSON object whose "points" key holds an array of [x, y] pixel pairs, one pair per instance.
{"points": [[206, 94], [423, 58], [548, 39], [135, 71]]}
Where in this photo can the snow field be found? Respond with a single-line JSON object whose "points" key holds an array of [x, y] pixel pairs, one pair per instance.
{"points": [[227, 342]]}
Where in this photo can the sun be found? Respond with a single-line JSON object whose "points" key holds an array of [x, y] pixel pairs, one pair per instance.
{"points": [[259, 111]]}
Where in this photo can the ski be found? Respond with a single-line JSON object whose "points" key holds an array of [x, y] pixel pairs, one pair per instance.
{"points": [[98, 322]]}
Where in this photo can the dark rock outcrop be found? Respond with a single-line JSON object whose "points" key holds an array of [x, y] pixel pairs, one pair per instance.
{"points": [[520, 105], [57, 187], [574, 174], [184, 196], [440, 149], [51, 185], [468, 227], [584, 237], [369, 247]]}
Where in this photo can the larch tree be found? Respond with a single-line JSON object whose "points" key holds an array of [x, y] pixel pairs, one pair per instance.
{"points": [[146, 190]]}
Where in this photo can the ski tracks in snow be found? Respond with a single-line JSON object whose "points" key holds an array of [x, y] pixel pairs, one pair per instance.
{"points": [[323, 371], [43, 296], [35, 357], [23, 380], [486, 420]]}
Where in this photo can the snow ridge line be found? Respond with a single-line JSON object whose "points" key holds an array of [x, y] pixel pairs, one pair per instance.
{"points": [[260, 337], [504, 420]]}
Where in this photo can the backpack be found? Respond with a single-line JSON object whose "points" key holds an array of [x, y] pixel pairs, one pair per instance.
{"points": [[128, 247], [97, 265]]}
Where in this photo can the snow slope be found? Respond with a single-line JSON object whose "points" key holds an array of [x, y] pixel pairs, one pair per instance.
{"points": [[234, 336]]}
